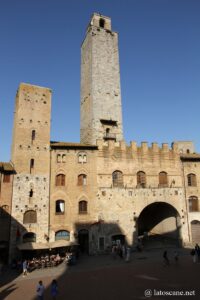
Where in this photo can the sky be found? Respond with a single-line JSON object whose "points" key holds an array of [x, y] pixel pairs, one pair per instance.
{"points": [[159, 49]]}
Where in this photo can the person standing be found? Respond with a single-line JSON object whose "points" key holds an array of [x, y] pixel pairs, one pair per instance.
{"points": [[54, 289], [24, 266], [40, 290]]}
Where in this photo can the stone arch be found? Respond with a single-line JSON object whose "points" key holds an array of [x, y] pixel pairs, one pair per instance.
{"points": [[159, 221]]}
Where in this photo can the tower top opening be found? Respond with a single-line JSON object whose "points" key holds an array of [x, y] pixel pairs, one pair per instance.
{"points": [[101, 21]]}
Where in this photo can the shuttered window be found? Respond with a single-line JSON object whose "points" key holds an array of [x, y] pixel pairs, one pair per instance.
{"points": [[192, 181], [60, 180], [163, 180], [193, 204], [82, 207], [82, 179]]}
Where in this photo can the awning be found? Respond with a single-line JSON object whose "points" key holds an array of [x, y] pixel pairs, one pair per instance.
{"points": [[62, 243], [50, 245], [32, 246]]}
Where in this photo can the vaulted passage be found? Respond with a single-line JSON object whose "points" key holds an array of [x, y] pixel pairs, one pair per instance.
{"points": [[159, 222]]}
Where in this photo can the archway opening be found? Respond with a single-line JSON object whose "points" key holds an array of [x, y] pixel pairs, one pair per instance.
{"points": [[83, 239], [159, 224]]}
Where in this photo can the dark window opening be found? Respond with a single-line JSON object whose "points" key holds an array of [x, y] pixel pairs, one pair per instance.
{"points": [[33, 135], [193, 204], [163, 180], [60, 207], [102, 23], [31, 165], [141, 179], [82, 207], [31, 193]]}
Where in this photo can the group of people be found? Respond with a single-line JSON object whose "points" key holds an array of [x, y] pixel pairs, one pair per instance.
{"points": [[121, 251], [40, 289], [41, 262]]}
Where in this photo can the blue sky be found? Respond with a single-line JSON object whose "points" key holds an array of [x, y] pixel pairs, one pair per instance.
{"points": [[159, 43]]}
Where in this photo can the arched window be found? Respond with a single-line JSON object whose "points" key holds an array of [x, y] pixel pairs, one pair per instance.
{"points": [[30, 216], [29, 237], [62, 235], [117, 179], [193, 204], [163, 180], [192, 181], [60, 207], [82, 207], [60, 180], [82, 157], [141, 179], [82, 179], [101, 23]]}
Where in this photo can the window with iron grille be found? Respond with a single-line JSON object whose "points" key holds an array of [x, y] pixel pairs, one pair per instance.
{"points": [[141, 179], [82, 207], [60, 180], [29, 237], [117, 179], [62, 235], [192, 181]]}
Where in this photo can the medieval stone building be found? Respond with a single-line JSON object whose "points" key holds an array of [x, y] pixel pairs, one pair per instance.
{"points": [[101, 189]]}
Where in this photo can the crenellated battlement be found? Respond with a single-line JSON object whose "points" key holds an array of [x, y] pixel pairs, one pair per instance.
{"points": [[133, 147]]}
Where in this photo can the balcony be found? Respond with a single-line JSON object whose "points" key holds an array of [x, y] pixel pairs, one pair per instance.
{"points": [[110, 136]]}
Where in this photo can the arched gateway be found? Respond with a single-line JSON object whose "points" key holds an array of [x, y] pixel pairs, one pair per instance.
{"points": [[159, 222]]}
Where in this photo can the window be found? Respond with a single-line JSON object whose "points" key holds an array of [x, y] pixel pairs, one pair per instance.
{"points": [[33, 135], [82, 207], [4, 211], [29, 237], [141, 179], [60, 207], [82, 179], [117, 179], [30, 216], [31, 165], [6, 178], [58, 158], [101, 23], [193, 204], [64, 158], [82, 157], [192, 180], [31, 193], [62, 235], [163, 180], [60, 180]]}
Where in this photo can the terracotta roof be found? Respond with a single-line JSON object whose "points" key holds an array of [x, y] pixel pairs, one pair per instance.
{"points": [[72, 145], [6, 166], [190, 156]]}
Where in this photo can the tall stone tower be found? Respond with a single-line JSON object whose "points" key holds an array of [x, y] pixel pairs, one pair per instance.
{"points": [[101, 111], [31, 160]]}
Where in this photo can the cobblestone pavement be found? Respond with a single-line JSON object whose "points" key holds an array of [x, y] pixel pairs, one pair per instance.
{"points": [[102, 277]]}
